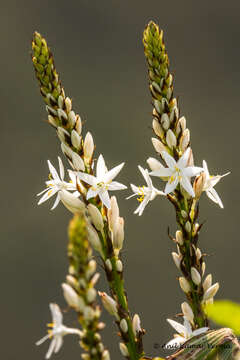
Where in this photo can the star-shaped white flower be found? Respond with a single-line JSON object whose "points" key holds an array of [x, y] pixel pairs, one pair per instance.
{"points": [[184, 333], [178, 172], [55, 184], [57, 332], [145, 193], [209, 184], [102, 182]]}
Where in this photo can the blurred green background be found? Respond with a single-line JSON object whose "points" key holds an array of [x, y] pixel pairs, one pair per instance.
{"points": [[98, 52]]}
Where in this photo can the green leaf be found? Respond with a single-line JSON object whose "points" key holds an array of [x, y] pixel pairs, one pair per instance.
{"points": [[225, 313]]}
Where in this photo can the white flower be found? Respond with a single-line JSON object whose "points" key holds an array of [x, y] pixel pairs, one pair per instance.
{"points": [[177, 172], [184, 333], [55, 184], [145, 193], [57, 332], [209, 184], [102, 182]]}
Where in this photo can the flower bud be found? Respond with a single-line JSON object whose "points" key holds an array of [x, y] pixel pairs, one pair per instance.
{"points": [[72, 118], [71, 202], [211, 292], [76, 139], [158, 145], [94, 239], [72, 297], [105, 355], [109, 304], [165, 122], [157, 128], [187, 312], [196, 277], [181, 125], [88, 147], [63, 134], [198, 254], [52, 121], [119, 266], [60, 101], [171, 139], [124, 325], [157, 106], [71, 281], [203, 268], [91, 268], [62, 115], [108, 264], [118, 236], [207, 282], [184, 284], [198, 185], [124, 350], [96, 217], [66, 150], [179, 237], [68, 104], [177, 259], [77, 162], [136, 324], [184, 214], [113, 214], [78, 126], [190, 161], [88, 313], [188, 227], [91, 295], [184, 140]]}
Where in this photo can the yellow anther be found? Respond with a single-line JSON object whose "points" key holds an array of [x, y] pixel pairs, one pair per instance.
{"points": [[50, 176], [50, 325], [141, 193], [49, 192]]}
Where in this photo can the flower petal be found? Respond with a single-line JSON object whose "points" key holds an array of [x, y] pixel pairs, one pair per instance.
{"points": [[92, 193], [192, 171], [56, 202], [187, 185], [104, 196], [200, 331], [169, 160], [171, 185], [146, 176], [53, 171], [56, 314], [47, 195], [101, 168], [163, 172], [110, 175], [175, 343], [51, 348], [182, 162], [61, 168], [114, 185], [213, 195], [89, 179], [205, 167], [178, 327], [58, 343]]}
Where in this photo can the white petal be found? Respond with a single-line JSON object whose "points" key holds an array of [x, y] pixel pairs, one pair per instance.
{"points": [[114, 185], [163, 172], [53, 171], [56, 202], [170, 161], [178, 327], [51, 348], [205, 167], [146, 176], [110, 175], [105, 198], [175, 343], [213, 195], [59, 342], [215, 179], [135, 189], [47, 195], [42, 192], [101, 167], [171, 185], [89, 179], [56, 314], [200, 331], [192, 171], [188, 328], [187, 185], [61, 168], [92, 193], [182, 162], [42, 340]]}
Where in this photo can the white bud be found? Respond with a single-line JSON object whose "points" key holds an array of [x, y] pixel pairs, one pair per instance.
{"points": [[196, 277], [72, 297], [165, 121], [61, 114], [51, 111], [68, 104], [181, 125], [177, 259], [119, 266], [94, 279], [198, 254], [108, 264], [91, 295], [71, 281], [198, 184], [188, 227], [211, 292], [77, 162], [203, 268], [118, 236], [109, 304], [72, 119], [136, 324], [113, 214], [105, 355], [88, 147], [71, 202], [94, 239], [85, 357], [123, 349], [158, 145], [184, 214], [96, 217], [169, 93], [184, 284], [62, 134], [124, 325], [179, 237], [157, 105], [91, 268], [78, 126], [66, 150], [187, 312], [157, 128], [88, 313], [171, 139], [76, 139], [184, 140], [60, 102], [207, 282], [52, 121]]}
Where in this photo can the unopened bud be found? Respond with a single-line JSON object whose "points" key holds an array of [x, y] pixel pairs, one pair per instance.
{"points": [[157, 128], [171, 139], [88, 147], [88, 313], [184, 214], [63, 134], [207, 282], [109, 304], [108, 264], [157, 106], [60, 101], [62, 115], [177, 259], [96, 217], [78, 126], [113, 214], [91, 268], [211, 292], [72, 297], [66, 150], [203, 268], [72, 118], [184, 140], [198, 184], [118, 236], [94, 239], [196, 277], [76, 139], [119, 266], [181, 125], [71, 202], [52, 121], [124, 325], [158, 145], [91, 295], [68, 104], [184, 284], [187, 312], [198, 254], [105, 355], [188, 227], [136, 324], [123, 349], [165, 122], [179, 237], [77, 162]]}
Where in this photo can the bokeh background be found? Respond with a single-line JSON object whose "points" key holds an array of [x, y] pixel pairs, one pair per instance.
{"points": [[99, 55]]}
